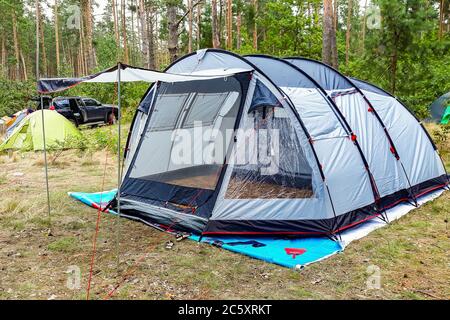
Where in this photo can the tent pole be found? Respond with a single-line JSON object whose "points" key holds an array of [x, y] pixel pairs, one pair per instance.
{"points": [[119, 171], [46, 164], [43, 121]]}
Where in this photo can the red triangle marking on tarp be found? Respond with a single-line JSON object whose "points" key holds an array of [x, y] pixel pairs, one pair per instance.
{"points": [[294, 252]]}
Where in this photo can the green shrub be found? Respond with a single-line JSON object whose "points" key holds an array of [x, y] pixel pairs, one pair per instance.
{"points": [[104, 137], [16, 96]]}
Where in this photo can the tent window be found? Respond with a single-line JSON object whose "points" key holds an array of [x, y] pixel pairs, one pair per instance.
{"points": [[176, 153], [205, 108], [269, 161], [167, 110]]}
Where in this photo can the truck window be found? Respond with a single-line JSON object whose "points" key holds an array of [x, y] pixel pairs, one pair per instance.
{"points": [[61, 104], [80, 103], [91, 102]]}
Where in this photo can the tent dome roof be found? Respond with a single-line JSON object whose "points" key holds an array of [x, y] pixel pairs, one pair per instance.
{"points": [[60, 133]]}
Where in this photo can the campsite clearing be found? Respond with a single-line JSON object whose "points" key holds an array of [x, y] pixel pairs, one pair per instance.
{"points": [[412, 253]]}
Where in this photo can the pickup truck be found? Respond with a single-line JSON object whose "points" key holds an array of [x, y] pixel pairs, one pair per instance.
{"points": [[83, 110]]}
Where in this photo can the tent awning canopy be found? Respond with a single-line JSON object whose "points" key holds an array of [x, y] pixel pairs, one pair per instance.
{"points": [[132, 74]]}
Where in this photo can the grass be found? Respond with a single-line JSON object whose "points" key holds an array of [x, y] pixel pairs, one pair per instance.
{"points": [[412, 253], [65, 244]]}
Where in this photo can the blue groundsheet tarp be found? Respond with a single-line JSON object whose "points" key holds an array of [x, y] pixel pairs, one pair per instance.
{"points": [[291, 253]]}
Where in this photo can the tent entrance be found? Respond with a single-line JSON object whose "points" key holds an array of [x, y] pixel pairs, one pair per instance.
{"points": [[182, 151], [272, 163]]}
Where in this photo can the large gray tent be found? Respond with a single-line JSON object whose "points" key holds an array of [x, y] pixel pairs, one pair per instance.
{"points": [[338, 151]]}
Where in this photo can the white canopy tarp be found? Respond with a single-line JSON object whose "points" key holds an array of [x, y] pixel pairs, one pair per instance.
{"points": [[133, 74]]}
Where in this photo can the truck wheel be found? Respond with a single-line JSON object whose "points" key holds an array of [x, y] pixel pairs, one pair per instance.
{"points": [[110, 118]]}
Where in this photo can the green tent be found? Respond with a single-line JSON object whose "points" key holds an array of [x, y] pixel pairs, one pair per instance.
{"points": [[446, 116], [440, 109], [60, 133]]}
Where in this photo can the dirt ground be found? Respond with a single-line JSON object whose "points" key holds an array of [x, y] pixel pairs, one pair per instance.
{"points": [[412, 254]]}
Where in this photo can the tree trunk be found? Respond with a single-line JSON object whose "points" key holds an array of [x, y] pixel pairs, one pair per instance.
{"points": [[16, 47], [348, 31], [335, 14], [42, 39], [327, 31], [334, 52], [172, 44], [64, 54], [88, 29], [124, 34], [199, 18], [441, 19], [143, 31], [133, 35], [229, 24], [55, 14], [4, 53], [116, 24], [151, 37], [138, 25], [190, 23], [363, 37], [156, 40], [329, 48], [24, 66], [214, 25], [255, 25], [82, 63], [238, 31], [77, 63], [220, 23], [44, 50]]}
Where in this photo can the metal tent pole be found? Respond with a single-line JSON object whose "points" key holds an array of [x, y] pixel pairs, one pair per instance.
{"points": [[45, 162], [119, 171], [42, 114]]}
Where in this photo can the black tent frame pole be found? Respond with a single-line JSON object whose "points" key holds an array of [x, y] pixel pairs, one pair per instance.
{"points": [[41, 98]]}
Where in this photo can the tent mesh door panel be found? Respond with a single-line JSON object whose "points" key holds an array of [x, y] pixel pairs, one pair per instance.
{"points": [[270, 162], [186, 140]]}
